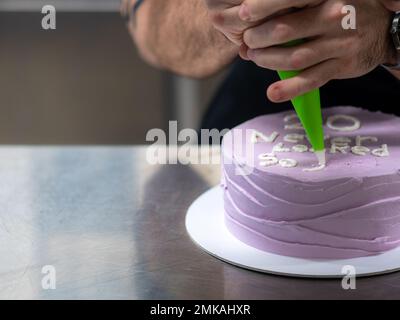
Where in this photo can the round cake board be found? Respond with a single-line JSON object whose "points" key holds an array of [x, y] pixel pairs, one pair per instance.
{"points": [[205, 225]]}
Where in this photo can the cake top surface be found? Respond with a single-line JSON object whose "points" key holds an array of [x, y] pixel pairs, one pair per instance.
{"points": [[359, 144]]}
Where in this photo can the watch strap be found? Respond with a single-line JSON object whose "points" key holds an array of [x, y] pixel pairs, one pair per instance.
{"points": [[395, 33]]}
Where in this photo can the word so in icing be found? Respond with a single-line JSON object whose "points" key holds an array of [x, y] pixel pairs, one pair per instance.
{"points": [[267, 160]]}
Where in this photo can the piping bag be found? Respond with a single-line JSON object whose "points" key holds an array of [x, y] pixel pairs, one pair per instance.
{"points": [[308, 109]]}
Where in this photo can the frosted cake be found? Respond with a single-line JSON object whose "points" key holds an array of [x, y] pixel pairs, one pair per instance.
{"points": [[278, 199]]}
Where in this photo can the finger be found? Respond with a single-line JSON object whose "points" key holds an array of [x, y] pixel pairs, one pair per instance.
{"points": [[255, 10], [228, 18], [299, 57], [301, 24], [227, 21], [306, 81], [243, 52], [222, 4]]}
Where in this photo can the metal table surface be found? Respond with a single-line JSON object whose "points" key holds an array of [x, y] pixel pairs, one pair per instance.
{"points": [[112, 226]]}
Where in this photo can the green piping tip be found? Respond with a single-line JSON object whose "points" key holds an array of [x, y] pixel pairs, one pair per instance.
{"points": [[308, 109]]}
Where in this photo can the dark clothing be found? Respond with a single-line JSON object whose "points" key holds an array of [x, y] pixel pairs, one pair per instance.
{"points": [[243, 95]]}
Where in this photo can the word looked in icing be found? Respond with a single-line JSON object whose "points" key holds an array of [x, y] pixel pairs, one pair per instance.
{"points": [[381, 152], [343, 145]]}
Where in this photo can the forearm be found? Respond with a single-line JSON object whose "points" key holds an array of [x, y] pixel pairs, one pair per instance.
{"points": [[177, 35]]}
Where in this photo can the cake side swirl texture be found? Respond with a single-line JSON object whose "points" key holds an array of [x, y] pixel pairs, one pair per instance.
{"points": [[351, 208]]}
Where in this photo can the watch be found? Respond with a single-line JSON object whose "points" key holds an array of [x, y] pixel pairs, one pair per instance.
{"points": [[395, 33]]}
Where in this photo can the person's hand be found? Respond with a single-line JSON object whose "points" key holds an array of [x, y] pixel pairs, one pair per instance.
{"points": [[329, 52], [224, 15], [392, 5]]}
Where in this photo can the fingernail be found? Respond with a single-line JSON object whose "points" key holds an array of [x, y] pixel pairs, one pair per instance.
{"points": [[276, 94], [244, 12]]}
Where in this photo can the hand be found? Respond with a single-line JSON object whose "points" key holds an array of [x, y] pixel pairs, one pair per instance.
{"points": [[224, 15], [392, 5], [329, 52]]}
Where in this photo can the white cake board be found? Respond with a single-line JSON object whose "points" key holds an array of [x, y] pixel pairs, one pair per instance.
{"points": [[205, 225]]}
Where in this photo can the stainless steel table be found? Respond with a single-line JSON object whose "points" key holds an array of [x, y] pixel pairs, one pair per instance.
{"points": [[112, 226]]}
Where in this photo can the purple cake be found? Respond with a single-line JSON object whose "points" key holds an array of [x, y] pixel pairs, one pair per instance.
{"points": [[279, 200]]}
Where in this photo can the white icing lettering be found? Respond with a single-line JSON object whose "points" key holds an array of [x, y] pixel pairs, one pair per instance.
{"points": [[326, 137], [360, 150], [288, 163], [268, 161], [292, 126], [336, 148], [263, 156], [295, 126], [360, 140], [300, 148], [341, 141], [280, 147], [291, 117], [256, 136], [340, 144], [317, 168], [382, 151], [356, 124], [294, 137]]}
